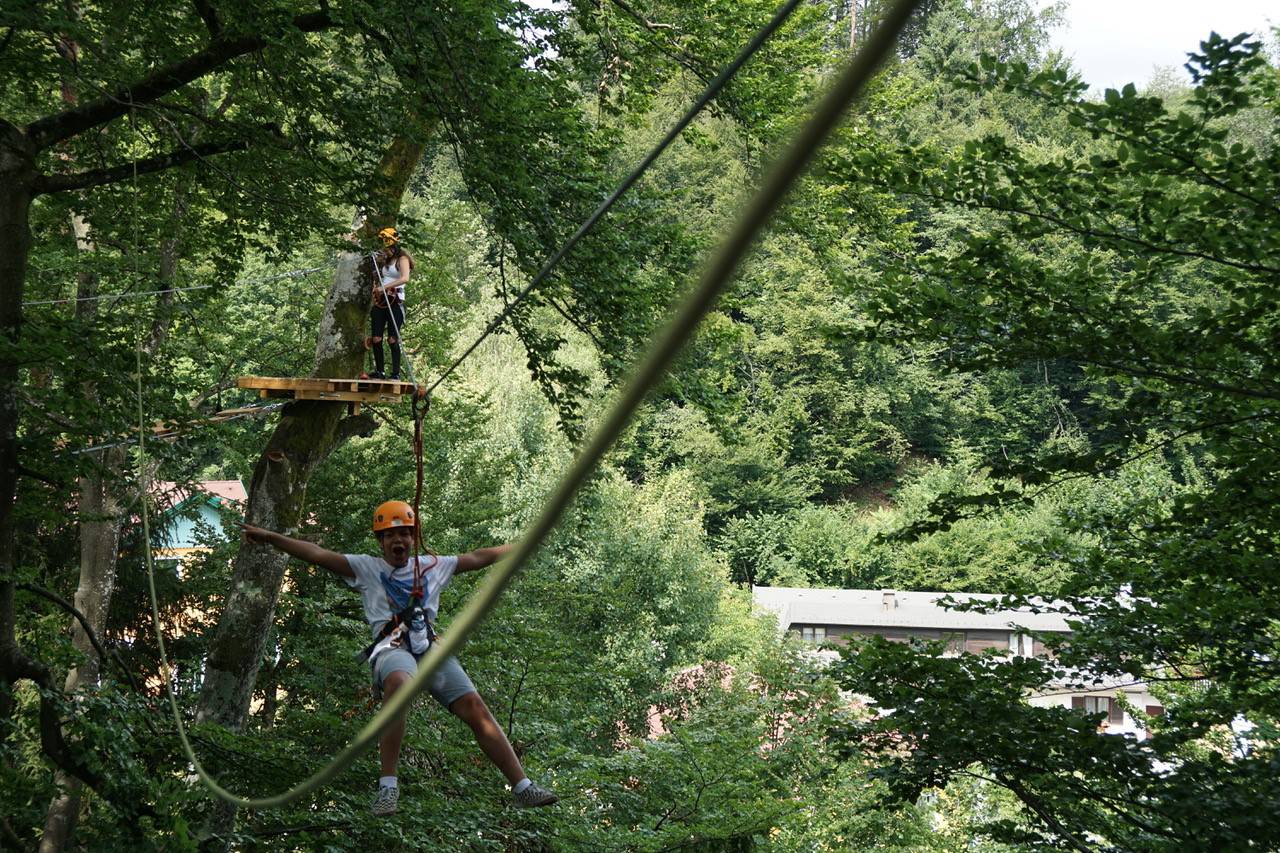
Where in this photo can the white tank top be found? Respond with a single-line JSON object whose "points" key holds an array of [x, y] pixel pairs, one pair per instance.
{"points": [[390, 272]]}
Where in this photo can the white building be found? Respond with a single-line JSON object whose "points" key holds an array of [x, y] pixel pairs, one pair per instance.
{"points": [[833, 615]]}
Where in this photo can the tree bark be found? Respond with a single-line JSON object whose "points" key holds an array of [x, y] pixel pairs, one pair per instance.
{"points": [[307, 433], [17, 173]]}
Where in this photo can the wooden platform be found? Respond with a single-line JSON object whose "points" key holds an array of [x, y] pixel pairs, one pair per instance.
{"points": [[352, 391]]}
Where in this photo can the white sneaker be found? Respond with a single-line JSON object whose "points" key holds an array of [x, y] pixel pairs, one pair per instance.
{"points": [[386, 801], [534, 797]]}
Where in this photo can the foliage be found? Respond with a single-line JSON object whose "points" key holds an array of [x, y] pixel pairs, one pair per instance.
{"points": [[1114, 254], [1006, 338]]}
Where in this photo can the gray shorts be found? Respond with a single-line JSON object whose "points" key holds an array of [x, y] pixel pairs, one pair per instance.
{"points": [[448, 683]]}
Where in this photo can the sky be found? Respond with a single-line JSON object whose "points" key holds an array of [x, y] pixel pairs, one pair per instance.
{"points": [[1113, 42]]}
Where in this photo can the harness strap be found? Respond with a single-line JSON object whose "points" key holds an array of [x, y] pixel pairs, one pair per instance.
{"points": [[382, 298], [396, 620]]}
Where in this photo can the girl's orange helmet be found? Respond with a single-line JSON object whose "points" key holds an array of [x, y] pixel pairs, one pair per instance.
{"points": [[392, 514], [389, 236]]}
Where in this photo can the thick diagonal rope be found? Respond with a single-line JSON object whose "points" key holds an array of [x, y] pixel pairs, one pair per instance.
{"points": [[708, 95], [660, 356]]}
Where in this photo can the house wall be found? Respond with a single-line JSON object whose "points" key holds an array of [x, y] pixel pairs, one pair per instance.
{"points": [[1118, 721], [970, 639], [181, 533], [976, 641]]}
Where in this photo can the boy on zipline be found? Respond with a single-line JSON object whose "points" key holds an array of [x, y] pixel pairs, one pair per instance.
{"points": [[402, 633]]}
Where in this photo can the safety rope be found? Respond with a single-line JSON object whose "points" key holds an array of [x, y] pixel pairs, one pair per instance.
{"points": [[419, 592], [418, 415], [667, 344]]}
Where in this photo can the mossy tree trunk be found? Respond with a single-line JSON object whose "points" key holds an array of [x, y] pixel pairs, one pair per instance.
{"points": [[307, 433]]}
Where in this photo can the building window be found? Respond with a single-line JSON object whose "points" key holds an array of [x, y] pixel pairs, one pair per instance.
{"points": [[978, 642], [1098, 705], [954, 641], [814, 633]]}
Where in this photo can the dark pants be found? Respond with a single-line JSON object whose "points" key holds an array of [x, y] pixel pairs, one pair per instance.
{"points": [[388, 321]]}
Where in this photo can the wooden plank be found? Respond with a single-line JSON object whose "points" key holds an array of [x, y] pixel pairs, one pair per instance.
{"points": [[346, 390], [353, 396], [275, 383]]}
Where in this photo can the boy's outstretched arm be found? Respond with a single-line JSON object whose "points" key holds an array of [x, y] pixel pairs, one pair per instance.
{"points": [[306, 551], [481, 558]]}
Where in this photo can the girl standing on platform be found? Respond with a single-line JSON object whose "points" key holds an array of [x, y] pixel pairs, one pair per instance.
{"points": [[394, 265]]}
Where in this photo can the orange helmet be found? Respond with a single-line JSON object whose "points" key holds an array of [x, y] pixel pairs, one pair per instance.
{"points": [[389, 236], [392, 514]]}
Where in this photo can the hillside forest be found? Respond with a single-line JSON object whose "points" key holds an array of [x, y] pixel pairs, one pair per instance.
{"points": [[1007, 334]]}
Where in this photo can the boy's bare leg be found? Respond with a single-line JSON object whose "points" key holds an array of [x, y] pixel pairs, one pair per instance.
{"points": [[392, 735], [489, 735]]}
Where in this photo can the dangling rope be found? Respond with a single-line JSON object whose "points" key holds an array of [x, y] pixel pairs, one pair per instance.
{"points": [[418, 571], [660, 356]]}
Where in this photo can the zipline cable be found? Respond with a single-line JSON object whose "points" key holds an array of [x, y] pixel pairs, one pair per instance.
{"points": [[660, 356], [707, 96]]}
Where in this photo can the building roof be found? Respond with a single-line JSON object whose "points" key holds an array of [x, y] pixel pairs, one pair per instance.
{"points": [[173, 495], [889, 608]]}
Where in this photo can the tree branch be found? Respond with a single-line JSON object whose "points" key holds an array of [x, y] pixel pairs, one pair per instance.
{"points": [[53, 129], [209, 15], [361, 425], [46, 184], [15, 666], [308, 827], [84, 623], [1038, 808], [664, 33]]}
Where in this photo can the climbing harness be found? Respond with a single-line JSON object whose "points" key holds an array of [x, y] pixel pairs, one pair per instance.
{"points": [[655, 363]]}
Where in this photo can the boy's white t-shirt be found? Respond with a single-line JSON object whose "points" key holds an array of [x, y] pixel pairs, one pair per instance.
{"points": [[386, 590]]}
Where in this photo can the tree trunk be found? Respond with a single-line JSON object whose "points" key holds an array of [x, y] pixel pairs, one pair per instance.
{"points": [[104, 492], [17, 174], [101, 518], [308, 431]]}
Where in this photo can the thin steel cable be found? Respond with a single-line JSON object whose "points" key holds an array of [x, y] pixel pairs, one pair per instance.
{"points": [[99, 296], [718, 273], [252, 412], [708, 95], [117, 296]]}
